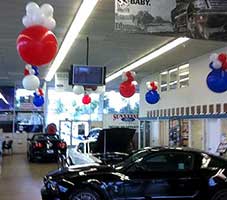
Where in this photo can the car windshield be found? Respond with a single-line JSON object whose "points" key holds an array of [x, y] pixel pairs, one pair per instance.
{"points": [[45, 137], [133, 158], [78, 158]]}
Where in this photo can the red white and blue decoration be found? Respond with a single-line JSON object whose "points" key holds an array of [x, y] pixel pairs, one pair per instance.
{"points": [[128, 87], [217, 78], [86, 90], [152, 96], [36, 44], [30, 81], [38, 99]]}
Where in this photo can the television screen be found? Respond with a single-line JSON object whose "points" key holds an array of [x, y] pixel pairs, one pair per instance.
{"points": [[6, 98], [87, 75]]}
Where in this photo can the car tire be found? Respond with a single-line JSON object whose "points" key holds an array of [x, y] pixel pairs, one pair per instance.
{"points": [[220, 195], [84, 195]]}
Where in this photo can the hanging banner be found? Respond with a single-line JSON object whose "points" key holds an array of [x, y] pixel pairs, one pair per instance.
{"points": [[198, 19]]}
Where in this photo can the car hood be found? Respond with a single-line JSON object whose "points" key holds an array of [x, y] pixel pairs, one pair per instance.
{"points": [[78, 170], [114, 140]]}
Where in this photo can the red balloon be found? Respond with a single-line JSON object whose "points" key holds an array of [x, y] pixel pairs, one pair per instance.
{"points": [[222, 57], [224, 66], [37, 45], [127, 89], [26, 72], [86, 99]]}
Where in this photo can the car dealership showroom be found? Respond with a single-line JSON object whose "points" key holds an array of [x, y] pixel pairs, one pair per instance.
{"points": [[113, 99]]}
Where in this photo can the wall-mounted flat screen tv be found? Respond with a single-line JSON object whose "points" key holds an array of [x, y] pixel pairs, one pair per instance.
{"points": [[87, 75], [7, 94]]}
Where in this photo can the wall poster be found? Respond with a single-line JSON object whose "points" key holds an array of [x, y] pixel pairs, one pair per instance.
{"points": [[178, 133], [198, 19]]}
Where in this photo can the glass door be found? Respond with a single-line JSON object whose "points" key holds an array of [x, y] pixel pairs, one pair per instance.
{"points": [[65, 131]]}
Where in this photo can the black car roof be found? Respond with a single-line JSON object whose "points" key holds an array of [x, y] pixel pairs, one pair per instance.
{"points": [[181, 149]]}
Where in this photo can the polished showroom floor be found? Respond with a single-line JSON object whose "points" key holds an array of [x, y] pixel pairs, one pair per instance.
{"points": [[20, 180]]}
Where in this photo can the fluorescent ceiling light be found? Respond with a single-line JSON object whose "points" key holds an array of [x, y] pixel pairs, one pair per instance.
{"points": [[79, 20], [149, 57]]}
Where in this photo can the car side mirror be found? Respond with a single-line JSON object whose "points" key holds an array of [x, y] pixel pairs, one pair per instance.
{"points": [[29, 139]]}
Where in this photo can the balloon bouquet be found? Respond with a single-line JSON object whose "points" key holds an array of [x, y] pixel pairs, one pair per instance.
{"points": [[37, 45], [217, 78], [152, 96], [128, 87], [86, 90]]}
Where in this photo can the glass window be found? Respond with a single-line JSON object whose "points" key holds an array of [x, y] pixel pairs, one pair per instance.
{"points": [[173, 78], [212, 162], [164, 81], [168, 162], [184, 76]]}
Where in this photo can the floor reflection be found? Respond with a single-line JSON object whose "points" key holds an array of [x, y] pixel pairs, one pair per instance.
{"points": [[20, 180]]}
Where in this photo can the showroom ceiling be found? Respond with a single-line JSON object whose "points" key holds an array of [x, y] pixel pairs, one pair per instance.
{"points": [[107, 47]]}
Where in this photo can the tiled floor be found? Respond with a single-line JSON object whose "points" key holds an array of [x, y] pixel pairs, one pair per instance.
{"points": [[20, 180]]}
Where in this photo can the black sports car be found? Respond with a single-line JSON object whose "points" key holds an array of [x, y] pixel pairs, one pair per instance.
{"points": [[150, 173], [45, 146], [112, 145]]}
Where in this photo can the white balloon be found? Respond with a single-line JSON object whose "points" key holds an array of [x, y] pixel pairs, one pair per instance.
{"points": [[213, 57], [78, 89], [27, 21], [217, 64], [100, 89], [31, 82], [47, 10], [28, 66], [49, 23], [38, 18], [32, 8], [31, 71]]}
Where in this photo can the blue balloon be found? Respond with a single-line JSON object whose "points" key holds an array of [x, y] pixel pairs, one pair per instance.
{"points": [[152, 97], [38, 101], [217, 80], [36, 70]]}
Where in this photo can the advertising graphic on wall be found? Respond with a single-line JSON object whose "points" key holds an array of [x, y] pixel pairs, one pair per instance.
{"points": [[178, 133], [198, 19]]}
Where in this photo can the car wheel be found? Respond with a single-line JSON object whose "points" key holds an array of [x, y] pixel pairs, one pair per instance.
{"points": [[220, 195], [85, 194]]}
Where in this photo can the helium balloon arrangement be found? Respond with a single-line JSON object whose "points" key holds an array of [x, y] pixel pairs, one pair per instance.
{"points": [[152, 96], [127, 88], [86, 90], [217, 78], [38, 99], [36, 45]]}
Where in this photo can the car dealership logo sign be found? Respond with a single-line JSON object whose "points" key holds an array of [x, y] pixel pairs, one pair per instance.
{"points": [[125, 117]]}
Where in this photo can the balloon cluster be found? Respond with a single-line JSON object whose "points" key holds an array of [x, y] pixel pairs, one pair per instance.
{"points": [[152, 96], [38, 99], [36, 45], [36, 15], [128, 87], [217, 78], [86, 90]]}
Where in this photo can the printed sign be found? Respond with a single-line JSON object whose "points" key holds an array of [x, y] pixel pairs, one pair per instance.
{"points": [[120, 120], [198, 19]]}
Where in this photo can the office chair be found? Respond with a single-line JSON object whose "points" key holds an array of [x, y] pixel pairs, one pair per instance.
{"points": [[7, 146]]}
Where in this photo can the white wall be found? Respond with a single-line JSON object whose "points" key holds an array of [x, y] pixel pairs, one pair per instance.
{"points": [[196, 94]]}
